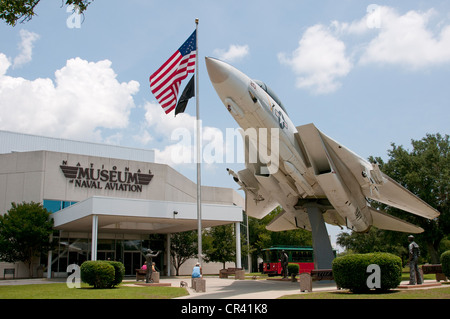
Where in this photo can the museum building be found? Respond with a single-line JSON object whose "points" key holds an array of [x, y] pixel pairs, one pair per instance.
{"points": [[107, 202]]}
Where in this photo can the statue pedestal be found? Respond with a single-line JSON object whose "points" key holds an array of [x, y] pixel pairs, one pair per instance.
{"points": [[305, 282], [239, 275], [198, 284], [155, 277]]}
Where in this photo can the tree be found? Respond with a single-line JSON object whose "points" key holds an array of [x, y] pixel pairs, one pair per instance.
{"points": [[219, 244], [372, 241], [425, 171], [12, 11], [24, 233], [182, 247]]}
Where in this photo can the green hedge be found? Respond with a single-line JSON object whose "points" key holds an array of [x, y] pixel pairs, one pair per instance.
{"points": [[445, 262], [293, 269], [102, 274], [119, 272], [350, 271]]}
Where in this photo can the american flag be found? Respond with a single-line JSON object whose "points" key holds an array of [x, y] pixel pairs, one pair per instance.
{"points": [[165, 82]]}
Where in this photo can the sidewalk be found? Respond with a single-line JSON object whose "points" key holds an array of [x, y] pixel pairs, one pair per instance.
{"points": [[221, 288], [217, 288]]}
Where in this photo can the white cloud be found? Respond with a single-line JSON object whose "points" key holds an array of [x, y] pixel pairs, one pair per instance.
{"points": [[233, 54], [325, 55], [84, 98], [319, 60], [370, 21], [25, 47], [178, 134], [164, 124], [165, 127], [143, 137], [408, 40], [5, 63]]}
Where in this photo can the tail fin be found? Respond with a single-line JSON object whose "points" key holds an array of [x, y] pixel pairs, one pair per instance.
{"points": [[385, 221]]}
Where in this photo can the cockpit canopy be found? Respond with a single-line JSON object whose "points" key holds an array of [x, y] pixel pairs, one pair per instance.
{"points": [[271, 93]]}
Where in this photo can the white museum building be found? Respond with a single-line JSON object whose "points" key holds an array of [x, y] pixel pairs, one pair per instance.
{"points": [[108, 202]]}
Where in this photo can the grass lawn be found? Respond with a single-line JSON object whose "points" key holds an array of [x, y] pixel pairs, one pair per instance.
{"points": [[434, 293], [61, 291]]}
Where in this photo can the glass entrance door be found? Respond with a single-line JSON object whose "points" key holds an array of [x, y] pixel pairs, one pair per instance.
{"points": [[106, 255], [132, 261]]}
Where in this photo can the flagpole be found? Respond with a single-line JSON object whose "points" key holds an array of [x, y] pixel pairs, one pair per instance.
{"points": [[199, 184]]}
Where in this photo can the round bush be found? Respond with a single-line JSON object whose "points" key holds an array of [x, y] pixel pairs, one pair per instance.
{"points": [[293, 269], [445, 262], [350, 271], [119, 272], [99, 274]]}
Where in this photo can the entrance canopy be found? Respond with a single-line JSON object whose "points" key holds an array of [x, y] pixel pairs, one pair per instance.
{"points": [[135, 216]]}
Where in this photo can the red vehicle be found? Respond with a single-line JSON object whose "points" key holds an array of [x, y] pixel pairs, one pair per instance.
{"points": [[303, 256]]}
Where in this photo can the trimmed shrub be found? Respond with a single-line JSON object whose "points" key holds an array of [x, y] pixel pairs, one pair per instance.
{"points": [[293, 269], [119, 272], [350, 271], [445, 262], [99, 274]]}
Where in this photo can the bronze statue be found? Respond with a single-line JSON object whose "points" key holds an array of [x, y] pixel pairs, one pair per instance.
{"points": [[414, 253], [284, 263], [149, 259]]}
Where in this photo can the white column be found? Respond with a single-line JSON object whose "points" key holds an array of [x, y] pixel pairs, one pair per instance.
{"points": [[94, 237], [169, 266], [49, 260], [238, 244]]}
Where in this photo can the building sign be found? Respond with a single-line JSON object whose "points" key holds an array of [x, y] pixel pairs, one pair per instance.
{"points": [[109, 179]]}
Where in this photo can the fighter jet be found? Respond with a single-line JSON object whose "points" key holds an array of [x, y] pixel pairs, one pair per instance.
{"points": [[313, 172]]}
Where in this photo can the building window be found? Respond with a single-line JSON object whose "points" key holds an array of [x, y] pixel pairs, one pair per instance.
{"points": [[56, 205]]}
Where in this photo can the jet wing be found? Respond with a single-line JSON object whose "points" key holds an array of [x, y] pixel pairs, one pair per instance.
{"points": [[258, 201], [383, 220], [377, 185], [393, 194], [299, 219], [289, 221]]}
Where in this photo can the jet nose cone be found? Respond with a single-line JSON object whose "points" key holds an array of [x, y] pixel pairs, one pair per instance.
{"points": [[217, 70]]}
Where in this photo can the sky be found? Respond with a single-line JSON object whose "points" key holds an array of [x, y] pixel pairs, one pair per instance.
{"points": [[366, 73]]}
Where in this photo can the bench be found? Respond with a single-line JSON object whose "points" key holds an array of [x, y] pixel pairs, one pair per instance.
{"points": [[238, 272], [9, 271], [140, 274], [307, 278], [434, 269], [322, 274]]}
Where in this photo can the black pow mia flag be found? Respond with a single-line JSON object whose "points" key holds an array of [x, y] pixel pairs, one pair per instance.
{"points": [[188, 92]]}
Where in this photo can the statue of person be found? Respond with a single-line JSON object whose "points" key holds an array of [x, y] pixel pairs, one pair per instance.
{"points": [[149, 259], [284, 263], [414, 253]]}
